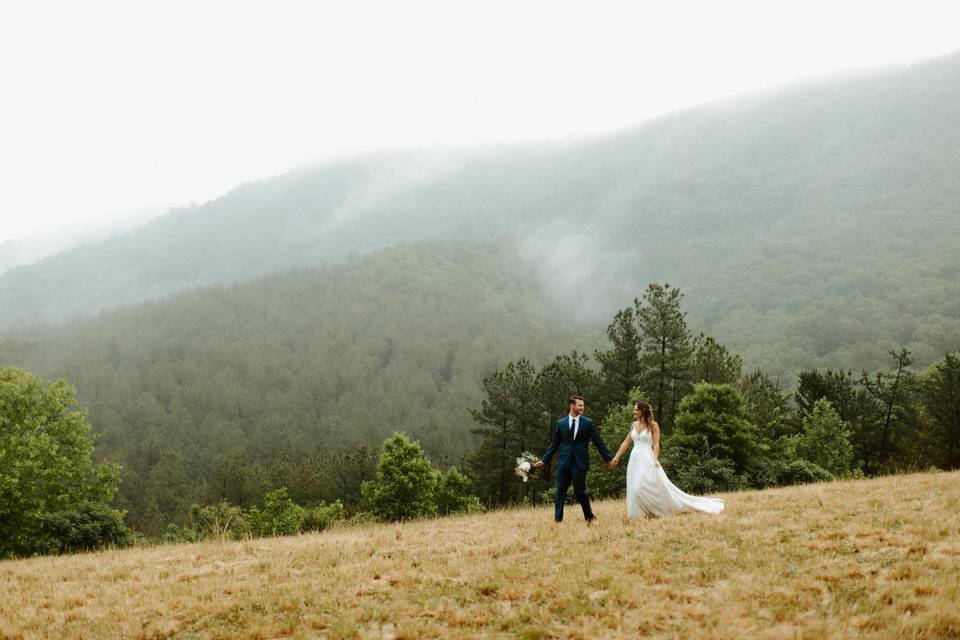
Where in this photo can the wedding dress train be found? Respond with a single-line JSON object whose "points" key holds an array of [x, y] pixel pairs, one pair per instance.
{"points": [[650, 492]]}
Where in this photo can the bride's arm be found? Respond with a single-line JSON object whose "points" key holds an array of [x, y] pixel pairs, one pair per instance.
{"points": [[623, 447], [655, 432]]}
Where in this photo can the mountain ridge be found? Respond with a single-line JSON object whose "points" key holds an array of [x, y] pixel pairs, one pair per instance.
{"points": [[771, 213]]}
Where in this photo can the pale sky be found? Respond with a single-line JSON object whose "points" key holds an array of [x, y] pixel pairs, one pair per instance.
{"points": [[109, 107]]}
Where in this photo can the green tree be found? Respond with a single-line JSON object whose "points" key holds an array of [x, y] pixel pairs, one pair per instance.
{"points": [[405, 483], [765, 404], [838, 387], [454, 494], [940, 395], [344, 472], [667, 351], [512, 420], [280, 515], [825, 440], [620, 366], [52, 496], [564, 376], [601, 481], [222, 521], [713, 415], [891, 390], [712, 362]]}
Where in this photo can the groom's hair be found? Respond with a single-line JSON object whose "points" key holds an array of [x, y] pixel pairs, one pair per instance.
{"points": [[573, 399]]}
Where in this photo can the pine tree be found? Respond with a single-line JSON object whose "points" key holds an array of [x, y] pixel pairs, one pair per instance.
{"points": [[714, 363], [620, 366], [667, 351], [940, 394]]}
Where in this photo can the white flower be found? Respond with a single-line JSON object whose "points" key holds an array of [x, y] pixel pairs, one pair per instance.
{"points": [[525, 464]]}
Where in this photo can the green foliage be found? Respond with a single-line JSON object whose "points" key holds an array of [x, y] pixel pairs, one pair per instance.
{"points": [[838, 387], [798, 471], [601, 481], [620, 366], [713, 362], [765, 404], [562, 377], [667, 351], [512, 420], [321, 516], [280, 516], [405, 483], [454, 494], [712, 416], [222, 521], [825, 440], [691, 464], [794, 250], [52, 496], [91, 525], [891, 392], [940, 394], [294, 380]]}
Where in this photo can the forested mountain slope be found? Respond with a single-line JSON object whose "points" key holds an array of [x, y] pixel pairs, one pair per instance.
{"points": [[817, 225], [197, 394]]}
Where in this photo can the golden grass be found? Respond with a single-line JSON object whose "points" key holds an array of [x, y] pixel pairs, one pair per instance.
{"points": [[868, 559]]}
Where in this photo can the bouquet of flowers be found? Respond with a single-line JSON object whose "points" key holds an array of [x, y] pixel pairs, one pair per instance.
{"points": [[525, 464]]}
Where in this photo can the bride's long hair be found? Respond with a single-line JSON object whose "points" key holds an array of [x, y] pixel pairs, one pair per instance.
{"points": [[646, 411]]}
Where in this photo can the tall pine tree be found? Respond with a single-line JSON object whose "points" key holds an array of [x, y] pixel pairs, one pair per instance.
{"points": [[667, 350]]}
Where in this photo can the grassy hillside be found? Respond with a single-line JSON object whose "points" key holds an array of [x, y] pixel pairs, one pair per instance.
{"points": [[866, 559], [812, 226]]}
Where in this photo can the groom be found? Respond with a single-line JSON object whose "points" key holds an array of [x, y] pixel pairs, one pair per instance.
{"points": [[571, 435]]}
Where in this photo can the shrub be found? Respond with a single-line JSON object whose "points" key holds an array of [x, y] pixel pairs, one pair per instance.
{"points": [[405, 482], [825, 440], [321, 516], [222, 520], [690, 463], [280, 515], [454, 494], [800, 471], [92, 525]]}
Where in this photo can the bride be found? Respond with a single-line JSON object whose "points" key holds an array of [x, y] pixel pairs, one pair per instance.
{"points": [[649, 491]]}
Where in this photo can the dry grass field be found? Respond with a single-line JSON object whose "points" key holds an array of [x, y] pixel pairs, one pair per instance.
{"points": [[862, 559]]}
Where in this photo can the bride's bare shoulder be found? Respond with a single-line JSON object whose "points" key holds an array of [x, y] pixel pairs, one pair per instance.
{"points": [[654, 426]]}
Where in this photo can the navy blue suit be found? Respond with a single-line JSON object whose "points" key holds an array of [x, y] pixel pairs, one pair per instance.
{"points": [[573, 461]]}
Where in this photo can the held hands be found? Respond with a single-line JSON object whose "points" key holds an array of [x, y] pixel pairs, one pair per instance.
{"points": [[538, 464], [613, 463]]}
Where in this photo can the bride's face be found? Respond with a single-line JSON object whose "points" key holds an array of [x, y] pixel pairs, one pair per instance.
{"points": [[636, 412]]}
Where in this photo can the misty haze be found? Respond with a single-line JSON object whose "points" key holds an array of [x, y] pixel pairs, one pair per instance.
{"points": [[381, 336]]}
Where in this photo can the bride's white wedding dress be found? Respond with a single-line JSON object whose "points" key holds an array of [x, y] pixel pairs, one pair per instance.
{"points": [[650, 492]]}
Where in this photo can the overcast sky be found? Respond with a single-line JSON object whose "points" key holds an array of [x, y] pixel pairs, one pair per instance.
{"points": [[108, 107]]}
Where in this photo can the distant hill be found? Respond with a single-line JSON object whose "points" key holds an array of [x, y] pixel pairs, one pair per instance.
{"points": [[296, 365], [817, 225]]}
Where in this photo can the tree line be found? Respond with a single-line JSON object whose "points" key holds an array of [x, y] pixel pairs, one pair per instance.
{"points": [[723, 430]]}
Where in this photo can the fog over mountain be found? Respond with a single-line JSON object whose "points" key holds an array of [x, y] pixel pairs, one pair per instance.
{"points": [[34, 247], [813, 225]]}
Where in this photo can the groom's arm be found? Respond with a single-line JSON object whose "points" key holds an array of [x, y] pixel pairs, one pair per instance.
{"points": [[599, 443], [552, 448]]}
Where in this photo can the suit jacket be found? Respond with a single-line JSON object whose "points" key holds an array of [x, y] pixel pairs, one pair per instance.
{"points": [[573, 452]]}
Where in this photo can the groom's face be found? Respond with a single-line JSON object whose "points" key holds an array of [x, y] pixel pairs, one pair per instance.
{"points": [[577, 408]]}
